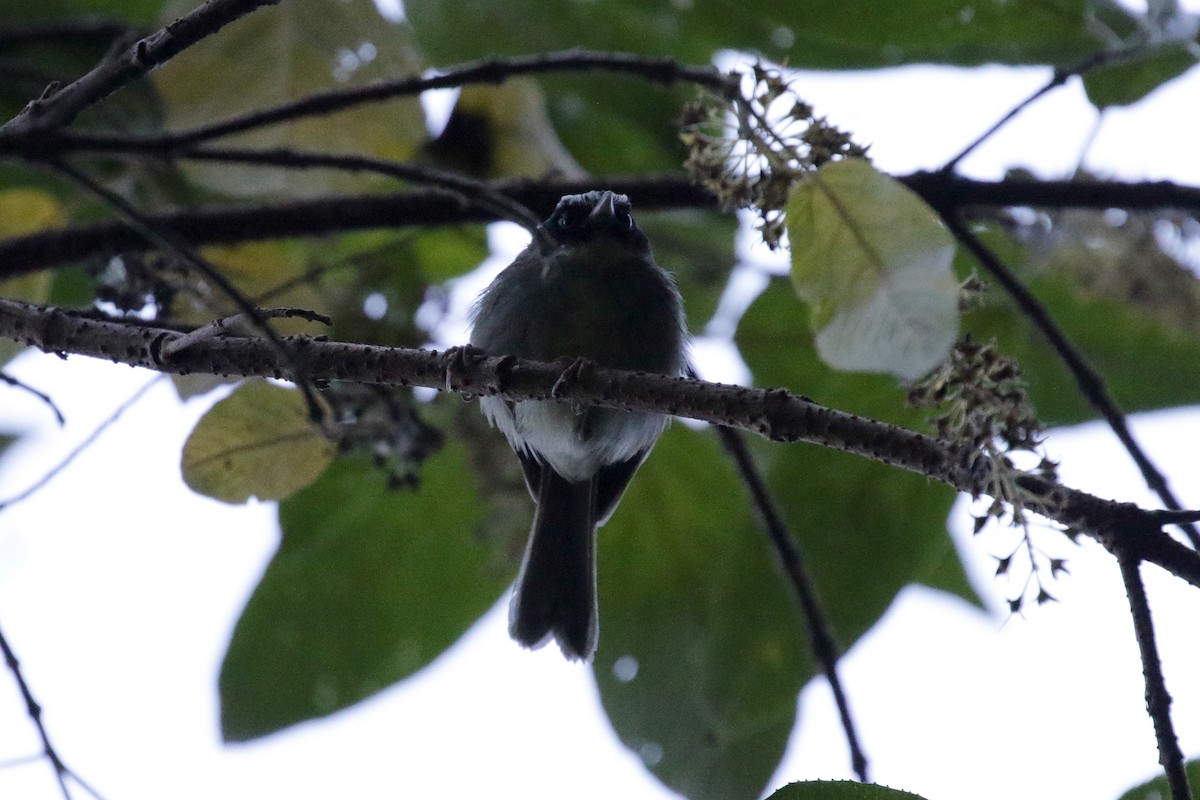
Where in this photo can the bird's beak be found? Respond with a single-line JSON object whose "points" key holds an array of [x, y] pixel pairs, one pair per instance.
{"points": [[606, 207]]}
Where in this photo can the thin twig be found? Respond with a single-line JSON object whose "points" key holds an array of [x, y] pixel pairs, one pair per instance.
{"points": [[45, 398], [477, 192], [824, 647], [167, 242], [81, 447], [223, 324], [34, 710], [1061, 76], [1090, 383], [1158, 700]]}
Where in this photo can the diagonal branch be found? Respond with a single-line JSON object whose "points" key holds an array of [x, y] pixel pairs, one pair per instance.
{"points": [[824, 647], [1090, 382], [1158, 700], [60, 105], [34, 710]]}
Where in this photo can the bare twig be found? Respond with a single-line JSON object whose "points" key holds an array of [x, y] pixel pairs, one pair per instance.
{"points": [[824, 647], [34, 710], [226, 324], [1158, 700], [45, 398], [1090, 383], [476, 192], [165, 241], [81, 447], [1061, 76]]}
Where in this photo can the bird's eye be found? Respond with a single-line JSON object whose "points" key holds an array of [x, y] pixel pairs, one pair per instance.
{"points": [[626, 220]]}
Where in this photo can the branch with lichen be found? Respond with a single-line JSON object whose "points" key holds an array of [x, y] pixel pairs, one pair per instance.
{"points": [[773, 413]]}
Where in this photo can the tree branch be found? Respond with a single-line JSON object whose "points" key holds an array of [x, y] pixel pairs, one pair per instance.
{"points": [[428, 207], [658, 70], [1091, 384], [60, 105], [1158, 700], [824, 647], [773, 413], [34, 710]]}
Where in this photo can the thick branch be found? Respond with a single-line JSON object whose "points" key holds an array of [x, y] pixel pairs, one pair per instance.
{"points": [[425, 207], [773, 413]]}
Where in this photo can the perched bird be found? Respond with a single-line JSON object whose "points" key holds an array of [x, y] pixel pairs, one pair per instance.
{"points": [[586, 288]]}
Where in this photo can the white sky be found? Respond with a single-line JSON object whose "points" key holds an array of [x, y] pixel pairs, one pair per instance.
{"points": [[119, 588]]}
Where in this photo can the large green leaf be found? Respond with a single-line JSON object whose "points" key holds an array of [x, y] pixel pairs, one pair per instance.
{"points": [[1126, 83], [868, 529], [282, 53], [846, 35], [702, 652], [257, 442], [839, 790], [1133, 340], [1158, 789], [873, 263], [369, 585]]}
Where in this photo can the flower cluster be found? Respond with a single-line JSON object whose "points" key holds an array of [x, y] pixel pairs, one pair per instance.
{"points": [[750, 149]]}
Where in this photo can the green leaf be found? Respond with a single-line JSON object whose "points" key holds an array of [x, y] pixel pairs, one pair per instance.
{"points": [[874, 263], [702, 652], [1128, 330], [503, 131], [853, 34], [839, 790], [1158, 789], [867, 529], [369, 585], [283, 53], [257, 442], [697, 247], [1126, 83]]}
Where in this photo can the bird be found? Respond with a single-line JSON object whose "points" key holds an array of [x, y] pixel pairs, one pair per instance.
{"points": [[585, 291]]}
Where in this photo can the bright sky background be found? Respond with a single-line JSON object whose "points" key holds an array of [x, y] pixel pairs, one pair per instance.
{"points": [[119, 587]]}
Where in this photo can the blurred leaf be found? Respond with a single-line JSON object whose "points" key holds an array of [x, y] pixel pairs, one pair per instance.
{"points": [[283, 53], [702, 651], [593, 112], [1158, 789], [392, 274], [503, 131], [1126, 83], [257, 442], [369, 585], [25, 210], [269, 273], [1135, 332], [850, 35], [873, 262], [698, 248], [867, 529], [839, 790]]}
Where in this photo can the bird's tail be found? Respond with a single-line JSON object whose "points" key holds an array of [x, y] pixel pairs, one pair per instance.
{"points": [[555, 592]]}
